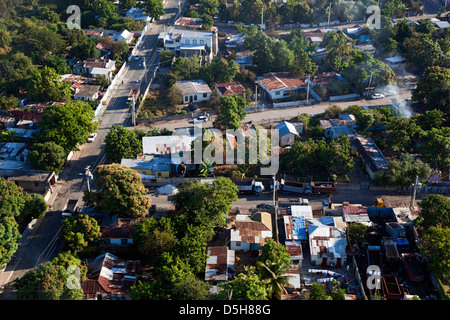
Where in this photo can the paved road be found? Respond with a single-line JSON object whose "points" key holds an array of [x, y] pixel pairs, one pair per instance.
{"points": [[45, 243], [284, 114]]}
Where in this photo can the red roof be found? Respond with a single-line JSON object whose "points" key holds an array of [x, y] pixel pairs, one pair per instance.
{"points": [[280, 80], [230, 88], [354, 210]]}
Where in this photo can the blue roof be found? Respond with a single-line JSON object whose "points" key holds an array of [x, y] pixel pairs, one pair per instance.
{"points": [[299, 227], [285, 128]]}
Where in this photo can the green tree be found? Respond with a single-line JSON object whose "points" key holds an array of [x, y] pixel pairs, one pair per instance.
{"points": [[435, 211], [101, 80], [436, 246], [35, 208], [49, 280], [272, 265], [119, 190], [48, 156], [59, 63], [245, 286], [9, 235], [402, 172], [68, 125], [15, 71], [402, 134], [155, 8], [10, 102], [78, 231], [205, 203], [318, 292], [433, 89], [121, 143], [155, 236], [232, 111], [46, 85], [357, 232], [436, 147], [85, 49]]}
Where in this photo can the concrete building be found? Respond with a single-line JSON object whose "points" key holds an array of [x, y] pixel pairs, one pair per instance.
{"points": [[194, 90], [186, 43]]}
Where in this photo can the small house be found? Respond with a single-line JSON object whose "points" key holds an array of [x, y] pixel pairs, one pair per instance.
{"points": [[373, 159], [220, 264], [280, 85], [229, 89], [124, 35], [150, 167], [251, 232], [287, 133], [87, 93], [194, 90], [110, 278], [327, 242]]}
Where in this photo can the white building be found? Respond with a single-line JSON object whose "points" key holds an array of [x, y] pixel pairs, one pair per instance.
{"points": [[137, 14], [287, 133], [280, 85], [327, 243], [186, 43], [194, 90], [124, 35]]}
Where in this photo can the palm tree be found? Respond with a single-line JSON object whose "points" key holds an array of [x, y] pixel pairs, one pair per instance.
{"points": [[273, 272]]}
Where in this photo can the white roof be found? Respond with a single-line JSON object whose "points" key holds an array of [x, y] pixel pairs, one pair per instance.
{"points": [[124, 34], [302, 211], [396, 59], [166, 145], [442, 24], [193, 86]]}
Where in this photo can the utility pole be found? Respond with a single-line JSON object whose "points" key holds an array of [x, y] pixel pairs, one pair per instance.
{"points": [[413, 196], [329, 14], [307, 91], [262, 18], [370, 83], [274, 190], [133, 110], [88, 175]]}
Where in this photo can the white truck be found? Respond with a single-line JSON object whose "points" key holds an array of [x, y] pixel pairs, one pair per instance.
{"points": [[256, 187]]}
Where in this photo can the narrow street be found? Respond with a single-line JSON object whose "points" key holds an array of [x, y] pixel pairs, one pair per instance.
{"points": [[44, 242]]}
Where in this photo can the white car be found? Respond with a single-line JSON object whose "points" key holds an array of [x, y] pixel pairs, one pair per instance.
{"points": [[201, 119], [377, 96], [137, 57], [92, 137]]}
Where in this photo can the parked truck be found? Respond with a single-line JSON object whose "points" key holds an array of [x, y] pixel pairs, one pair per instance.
{"points": [[412, 267], [374, 256], [322, 187], [390, 250], [134, 91], [391, 288], [295, 187], [70, 208], [255, 187]]}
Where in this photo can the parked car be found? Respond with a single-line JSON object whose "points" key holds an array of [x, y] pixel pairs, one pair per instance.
{"points": [[193, 107], [92, 137], [137, 57], [377, 96], [201, 119]]}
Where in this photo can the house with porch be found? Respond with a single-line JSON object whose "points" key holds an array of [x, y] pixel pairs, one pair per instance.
{"points": [[281, 85], [194, 90]]}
